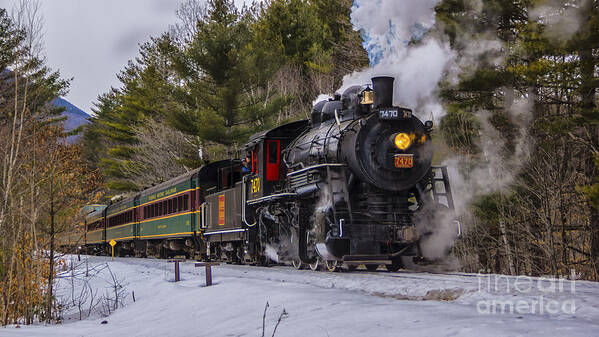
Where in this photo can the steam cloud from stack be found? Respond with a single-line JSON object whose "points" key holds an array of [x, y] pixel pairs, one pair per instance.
{"points": [[388, 27]]}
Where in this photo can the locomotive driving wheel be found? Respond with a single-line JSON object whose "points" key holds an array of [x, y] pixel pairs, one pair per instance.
{"points": [[332, 265], [297, 263], [314, 266]]}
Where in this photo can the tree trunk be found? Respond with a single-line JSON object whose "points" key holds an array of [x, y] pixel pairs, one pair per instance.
{"points": [[506, 247], [588, 90], [51, 264]]}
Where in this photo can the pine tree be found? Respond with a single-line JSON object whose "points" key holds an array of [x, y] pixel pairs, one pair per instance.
{"points": [[316, 45], [225, 93], [110, 139]]}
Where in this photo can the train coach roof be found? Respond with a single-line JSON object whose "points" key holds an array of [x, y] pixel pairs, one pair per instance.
{"points": [[199, 172], [94, 216], [120, 206], [283, 131], [171, 182]]}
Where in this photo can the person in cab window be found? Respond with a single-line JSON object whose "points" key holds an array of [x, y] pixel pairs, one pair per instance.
{"points": [[247, 165]]}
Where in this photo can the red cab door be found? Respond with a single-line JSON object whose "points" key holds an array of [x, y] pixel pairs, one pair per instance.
{"points": [[273, 159]]}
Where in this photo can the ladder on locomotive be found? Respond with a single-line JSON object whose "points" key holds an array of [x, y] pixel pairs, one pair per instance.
{"points": [[344, 192], [443, 178]]}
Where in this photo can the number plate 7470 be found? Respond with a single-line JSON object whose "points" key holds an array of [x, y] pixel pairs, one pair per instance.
{"points": [[404, 160]]}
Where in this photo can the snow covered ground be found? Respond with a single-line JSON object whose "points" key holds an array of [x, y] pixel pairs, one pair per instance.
{"points": [[326, 304]]}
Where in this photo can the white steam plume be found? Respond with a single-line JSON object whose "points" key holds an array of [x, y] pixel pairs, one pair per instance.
{"points": [[388, 27], [271, 252], [321, 97], [496, 171], [562, 19]]}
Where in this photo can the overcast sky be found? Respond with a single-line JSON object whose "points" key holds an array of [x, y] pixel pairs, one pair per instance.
{"points": [[92, 40]]}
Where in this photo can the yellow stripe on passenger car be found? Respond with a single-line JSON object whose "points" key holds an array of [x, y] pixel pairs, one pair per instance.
{"points": [[169, 216], [127, 224], [124, 238], [171, 234], [154, 219], [145, 236], [153, 201]]}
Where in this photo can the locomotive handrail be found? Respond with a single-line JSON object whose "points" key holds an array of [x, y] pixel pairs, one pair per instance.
{"points": [[244, 202], [313, 167], [203, 220], [270, 197]]}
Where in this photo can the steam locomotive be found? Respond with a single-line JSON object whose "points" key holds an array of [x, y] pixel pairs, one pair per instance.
{"points": [[353, 185]]}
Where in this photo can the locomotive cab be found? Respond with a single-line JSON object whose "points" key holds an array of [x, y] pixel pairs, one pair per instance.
{"points": [[266, 150]]}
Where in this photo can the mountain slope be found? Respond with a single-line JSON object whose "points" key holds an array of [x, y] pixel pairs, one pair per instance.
{"points": [[75, 116]]}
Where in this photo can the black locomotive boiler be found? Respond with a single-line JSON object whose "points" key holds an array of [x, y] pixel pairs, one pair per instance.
{"points": [[353, 185]]}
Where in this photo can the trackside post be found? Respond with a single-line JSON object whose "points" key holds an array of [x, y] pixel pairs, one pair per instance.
{"points": [[208, 266], [177, 270]]}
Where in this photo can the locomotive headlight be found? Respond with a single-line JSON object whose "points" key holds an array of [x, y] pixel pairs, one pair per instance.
{"points": [[402, 141]]}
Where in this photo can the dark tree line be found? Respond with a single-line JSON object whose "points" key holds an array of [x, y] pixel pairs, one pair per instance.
{"points": [[538, 91]]}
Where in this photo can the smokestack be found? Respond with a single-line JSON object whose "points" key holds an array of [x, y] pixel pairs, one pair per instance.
{"points": [[383, 91]]}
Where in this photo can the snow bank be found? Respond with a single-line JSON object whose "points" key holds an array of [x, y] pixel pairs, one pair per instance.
{"points": [[325, 304]]}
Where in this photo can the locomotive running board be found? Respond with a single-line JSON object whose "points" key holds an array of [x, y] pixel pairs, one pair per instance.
{"points": [[367, 259], [239, 230], [367, 262]]}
